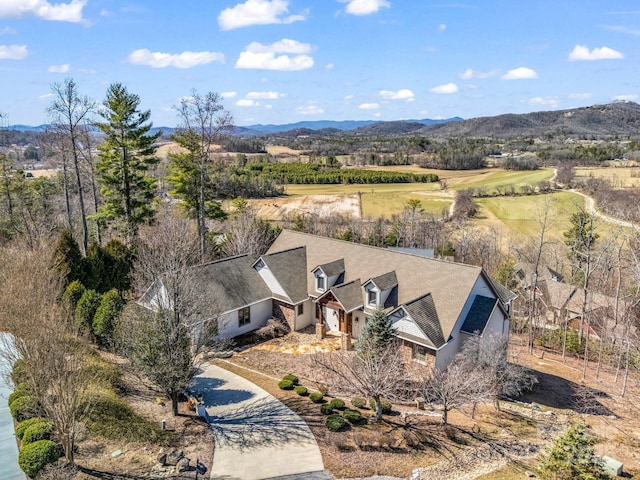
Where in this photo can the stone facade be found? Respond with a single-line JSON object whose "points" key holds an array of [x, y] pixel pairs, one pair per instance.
{"points": [[285, 312]]}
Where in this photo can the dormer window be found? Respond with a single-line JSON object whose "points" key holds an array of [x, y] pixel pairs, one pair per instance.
{"points": [[372, 298], [321, 282]]}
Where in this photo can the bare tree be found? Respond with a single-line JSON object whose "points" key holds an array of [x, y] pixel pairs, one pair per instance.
{"points": [[376, 376], [164, 336], [70, 112], [245, 232], [55, 365], [203, 120]]}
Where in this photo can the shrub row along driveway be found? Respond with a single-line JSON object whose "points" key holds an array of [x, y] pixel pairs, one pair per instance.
{"points": [[257, 437]]}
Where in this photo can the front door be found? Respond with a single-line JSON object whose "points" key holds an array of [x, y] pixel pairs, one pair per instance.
{"points": [[331, 319]]}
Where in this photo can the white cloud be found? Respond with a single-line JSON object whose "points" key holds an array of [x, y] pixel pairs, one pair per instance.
{"points": [[8, 31], [246, 102], [46, 96], [404, 94], [446, 88], [365, 7], [623, 29], [274, 57], [329, 66], [442, 27], [582, 53], [470, 73], [348, 97], [59, 68], [264, 95], [520, 73], [368, 106], [548, 101], [309, 110], [13, 52], [178, 60], [626, 98], [257, 12], [59, 12], [580, 96], [226, 95]]}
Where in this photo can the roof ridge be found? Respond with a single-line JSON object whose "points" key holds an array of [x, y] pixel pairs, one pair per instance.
{"points": [[220, 260]]}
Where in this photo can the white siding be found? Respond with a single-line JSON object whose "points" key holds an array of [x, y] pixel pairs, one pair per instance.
{"points": [[270, 280], [307, 317], [260, 313], [407, 326], [496, 323]]}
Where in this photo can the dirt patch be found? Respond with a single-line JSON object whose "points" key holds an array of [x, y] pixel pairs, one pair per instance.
{"points": [[321, 205]]}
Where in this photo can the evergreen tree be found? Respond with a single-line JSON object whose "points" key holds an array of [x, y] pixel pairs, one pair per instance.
{"points": [[67, 259], [376, 335], [126, 155], [580, 238], [106, 316], [571, 456]]}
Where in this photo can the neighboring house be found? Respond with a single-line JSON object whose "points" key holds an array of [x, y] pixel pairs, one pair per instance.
{"points": [[336, 285]]}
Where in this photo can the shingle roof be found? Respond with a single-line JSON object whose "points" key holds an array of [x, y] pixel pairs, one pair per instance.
{"points": [[349, 295], [479, 314], [334, 268], [423, 312], [504, 293], [290, 268], [230, 284], [450, 283], [385, 281]]}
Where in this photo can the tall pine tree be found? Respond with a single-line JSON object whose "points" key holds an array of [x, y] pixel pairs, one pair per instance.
{"points": [[126, 155], [376, 335]]}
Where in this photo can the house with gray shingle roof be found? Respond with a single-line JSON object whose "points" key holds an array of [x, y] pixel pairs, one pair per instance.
{"points": [[336, 285]]}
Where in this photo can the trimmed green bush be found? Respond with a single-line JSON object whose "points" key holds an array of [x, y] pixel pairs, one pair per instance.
{"points": [[316, 397], [24, 407], [292, 377], [33, 457], [86, 310], [335, 422], [386, 405], [21, 391], [300, 390], [285, 384], [359, 402], [326, 409], [353, 416], [38, 431], [336, 403], [22, 426], [73, 293], [104, 321]]}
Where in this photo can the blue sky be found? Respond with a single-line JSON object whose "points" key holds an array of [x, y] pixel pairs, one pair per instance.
{"points": [[283, 61]]}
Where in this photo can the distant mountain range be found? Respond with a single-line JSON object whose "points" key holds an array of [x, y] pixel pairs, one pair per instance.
{"points": [[618, 118]]}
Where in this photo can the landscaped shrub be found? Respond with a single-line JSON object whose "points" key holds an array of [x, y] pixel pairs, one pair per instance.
{"points": [[336, 403], [285, 384], [33, 457], [86, 310], [24, 407], [300, 390], [38, 431], [21, 391], [359, 402], [104, 321], [22, 426], [316, 397], [292, 377], [335, 422], [326, 409], [353, 416], [386, 405], [73, 293]]}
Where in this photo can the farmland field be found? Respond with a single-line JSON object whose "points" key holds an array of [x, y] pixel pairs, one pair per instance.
{"points": [[618, 176]]}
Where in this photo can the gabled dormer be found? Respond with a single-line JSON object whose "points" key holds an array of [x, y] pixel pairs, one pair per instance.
{"points": [[327, 275], [378, 291]]}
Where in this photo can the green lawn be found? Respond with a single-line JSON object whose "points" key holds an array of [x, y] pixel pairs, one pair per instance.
{"points": [[387, 203], [521, 214], [492, 178]]}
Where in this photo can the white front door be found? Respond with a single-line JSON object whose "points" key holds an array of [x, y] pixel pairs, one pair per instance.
{"points": [[331, 319]]}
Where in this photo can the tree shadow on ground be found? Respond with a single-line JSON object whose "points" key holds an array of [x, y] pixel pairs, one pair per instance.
{"points": [[260, 423], [557, 392]]}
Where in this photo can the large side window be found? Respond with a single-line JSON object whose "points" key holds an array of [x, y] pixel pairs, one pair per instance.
{"points": [[372, 298], [321, 283], [244, 316], [420, 353]]}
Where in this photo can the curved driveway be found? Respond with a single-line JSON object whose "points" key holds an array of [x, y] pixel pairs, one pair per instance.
{"points": [[257, 437]]}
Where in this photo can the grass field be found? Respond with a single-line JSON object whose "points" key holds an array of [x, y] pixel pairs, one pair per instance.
{"points": [[619, 177]]}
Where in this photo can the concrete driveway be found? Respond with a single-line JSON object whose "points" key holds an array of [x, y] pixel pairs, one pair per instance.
{"points": [[257, 437]]}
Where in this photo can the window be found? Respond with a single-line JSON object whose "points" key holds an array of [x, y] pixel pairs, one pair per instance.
{"points": [[301, 309], [372, 297], [420, 353], [244, 316], [320, 283]]}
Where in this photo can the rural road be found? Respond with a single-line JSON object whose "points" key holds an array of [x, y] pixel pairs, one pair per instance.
{"points": [[257, 437]]}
